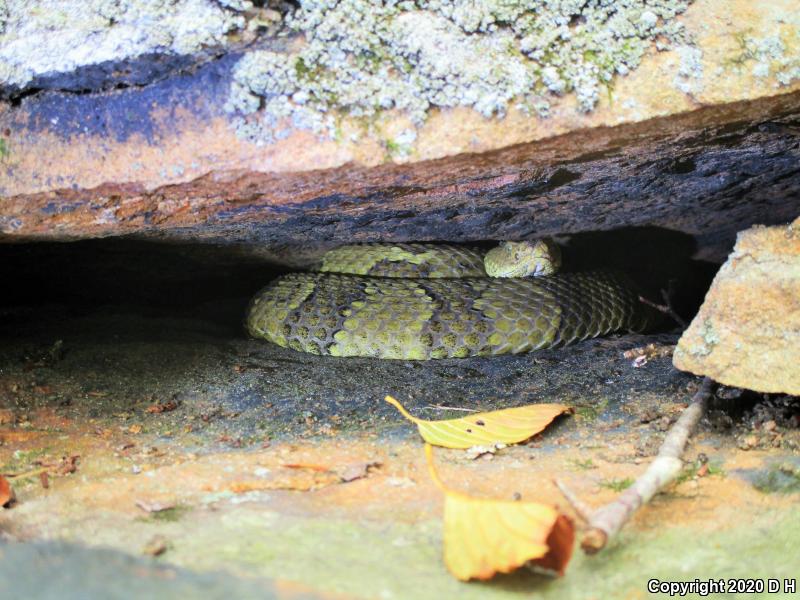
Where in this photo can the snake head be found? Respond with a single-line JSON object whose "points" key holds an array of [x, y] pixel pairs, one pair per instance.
{"points": [[523, 259]]}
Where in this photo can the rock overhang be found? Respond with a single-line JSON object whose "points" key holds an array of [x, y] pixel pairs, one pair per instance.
{"points": [[163, 156]]}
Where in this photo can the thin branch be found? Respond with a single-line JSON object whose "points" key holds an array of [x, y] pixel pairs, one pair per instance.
{"points": [[665, 308], [26, 474], [580, 507], [605, 522]]}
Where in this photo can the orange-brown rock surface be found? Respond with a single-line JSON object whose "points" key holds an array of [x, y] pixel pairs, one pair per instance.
{"points": [[695, 135], [747, 333]]}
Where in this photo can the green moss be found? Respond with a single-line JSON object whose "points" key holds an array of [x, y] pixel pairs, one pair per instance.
{"points": [[610, 93], [591, 412], [782, 478], [690, 472], [582, 465], [617, 485], [300, 68], [395, 149], [22, 460], [745, 51], [375, 557], [168, 515]]}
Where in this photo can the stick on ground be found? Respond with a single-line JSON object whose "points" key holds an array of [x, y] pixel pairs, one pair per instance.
{"points": [[665, 308], [605, 522]]}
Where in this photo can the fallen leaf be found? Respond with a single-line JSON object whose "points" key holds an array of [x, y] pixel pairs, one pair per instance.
{"points": [[7, 497], [476, 452], [506, 426], [357, 470], [161, 408], [484, 537], [135, 429], [643, 354], [7, 416], [156, 546], [67, 464]]}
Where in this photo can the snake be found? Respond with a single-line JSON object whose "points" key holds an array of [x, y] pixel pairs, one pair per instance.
{"points": [[422, 301]]}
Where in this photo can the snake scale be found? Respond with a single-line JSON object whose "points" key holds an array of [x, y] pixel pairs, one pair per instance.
{"points": [[423, 301]]}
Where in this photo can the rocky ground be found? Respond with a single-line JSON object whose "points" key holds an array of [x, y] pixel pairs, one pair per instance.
{"points": [[166, 431], [197, 148]]}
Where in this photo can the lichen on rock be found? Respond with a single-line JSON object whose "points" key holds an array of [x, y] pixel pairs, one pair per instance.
{"points": [[689, 78], [747, 333], [771, 55], [361, 57], [50, 37]]}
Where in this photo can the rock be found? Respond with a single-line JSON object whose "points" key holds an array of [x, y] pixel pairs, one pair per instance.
{"points": [[62, 45], [681, 116], [747, 333], [705, 175]]}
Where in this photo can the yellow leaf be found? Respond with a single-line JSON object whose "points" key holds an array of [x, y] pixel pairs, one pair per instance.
{"points": [[507, 426], [485, 537], [7, 497]]}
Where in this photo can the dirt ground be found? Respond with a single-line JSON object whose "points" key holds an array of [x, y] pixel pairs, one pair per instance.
{"points": [[186, 460]]}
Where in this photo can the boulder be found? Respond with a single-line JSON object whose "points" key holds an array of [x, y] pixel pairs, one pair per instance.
{"points": [[747, 333], [276, 123]]}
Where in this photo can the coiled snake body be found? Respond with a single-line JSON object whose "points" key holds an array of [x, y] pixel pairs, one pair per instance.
{"points": [[432, 301]]}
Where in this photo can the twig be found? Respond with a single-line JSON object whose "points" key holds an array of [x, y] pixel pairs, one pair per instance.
{"points": [[605, 522], [26, 474], [580, 507], [665, 308]]}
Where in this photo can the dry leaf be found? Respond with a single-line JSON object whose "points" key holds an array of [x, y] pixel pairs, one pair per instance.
{"points": [[485, 537], [7, 416], [156, 546], [643, 354], [65, 466], [357, 470], [161, 408], [507, 426], [7, 497], [476, 452]]}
